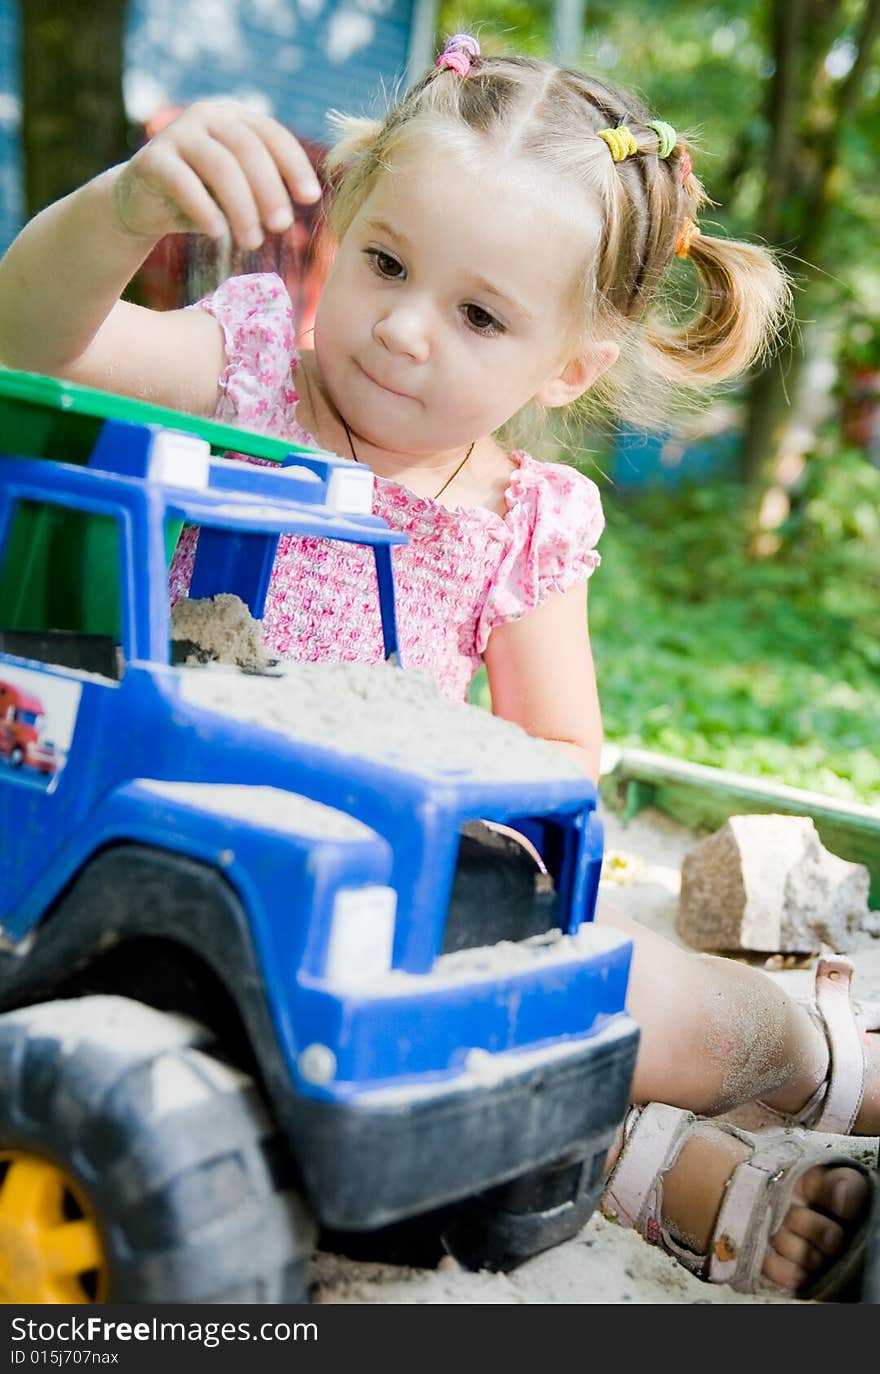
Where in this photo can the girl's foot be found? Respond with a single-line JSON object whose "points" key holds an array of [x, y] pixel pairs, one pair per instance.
{"points": [[737, 1208], [826, 1208]]}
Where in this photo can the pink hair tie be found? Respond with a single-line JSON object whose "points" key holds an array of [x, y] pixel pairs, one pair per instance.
{"points": [[459, 52], [686, 165]]}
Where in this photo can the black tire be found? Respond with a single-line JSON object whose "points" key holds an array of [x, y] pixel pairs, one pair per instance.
{"points": [[16, 757], [496, 1230], [507, 1225], [172, 1149]]}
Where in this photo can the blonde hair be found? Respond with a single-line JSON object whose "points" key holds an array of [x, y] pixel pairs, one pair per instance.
{"points": [[521, 107]]}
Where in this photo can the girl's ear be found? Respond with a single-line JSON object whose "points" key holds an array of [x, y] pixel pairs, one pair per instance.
{"points": [[577, 376]]}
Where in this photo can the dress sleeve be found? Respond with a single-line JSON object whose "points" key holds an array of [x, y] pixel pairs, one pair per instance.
{"points": [[555, 517], [256, 315]]}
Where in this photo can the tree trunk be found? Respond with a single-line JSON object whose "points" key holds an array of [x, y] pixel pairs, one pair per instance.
{"points": [[766, 409], [770, 397], [806, 127], [785, 98], [73, 115]]}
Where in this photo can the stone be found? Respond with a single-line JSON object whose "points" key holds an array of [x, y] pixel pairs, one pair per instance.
{"points": [[767, 883]]}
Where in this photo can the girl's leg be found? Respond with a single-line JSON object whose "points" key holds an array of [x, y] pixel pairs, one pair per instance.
{"points": [[715, 1033]]}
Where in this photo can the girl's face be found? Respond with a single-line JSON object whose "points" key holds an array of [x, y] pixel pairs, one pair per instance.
{"points": [[449, 301]]}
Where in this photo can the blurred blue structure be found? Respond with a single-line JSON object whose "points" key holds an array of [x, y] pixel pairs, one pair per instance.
{"points": [[294, 59], [10, 162], [645, 458]]}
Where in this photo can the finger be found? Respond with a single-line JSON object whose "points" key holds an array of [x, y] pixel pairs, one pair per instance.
{"points": [[263, 176], [219, 169], [291, 159], [188, 200]]}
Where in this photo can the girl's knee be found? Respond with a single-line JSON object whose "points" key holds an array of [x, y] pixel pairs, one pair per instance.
{"points": [[715, 1033], [751, 1038]]}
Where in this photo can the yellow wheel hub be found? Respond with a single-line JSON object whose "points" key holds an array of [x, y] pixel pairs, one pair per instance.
{"points": [[50, 1244]]}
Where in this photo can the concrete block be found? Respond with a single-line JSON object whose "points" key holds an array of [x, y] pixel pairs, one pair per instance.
{"points": [[767, 883]]}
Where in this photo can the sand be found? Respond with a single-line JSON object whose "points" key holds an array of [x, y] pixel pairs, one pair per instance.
{"points": [[604, 1263], [374, 712], [220, 629]]}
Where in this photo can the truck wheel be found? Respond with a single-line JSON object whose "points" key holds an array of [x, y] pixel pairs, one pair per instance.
{"points": [[510, 1223], [495, 1230], [137, 1167], [16, 756]]}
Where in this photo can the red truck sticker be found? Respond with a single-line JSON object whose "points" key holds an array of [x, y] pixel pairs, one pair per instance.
{"points": [[37, 716]]}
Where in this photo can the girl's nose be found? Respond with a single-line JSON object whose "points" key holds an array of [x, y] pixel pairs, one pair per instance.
{"points": [[403, 330]]}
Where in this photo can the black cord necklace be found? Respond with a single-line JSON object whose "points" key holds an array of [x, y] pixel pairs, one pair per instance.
{"points": [[451, 478]]}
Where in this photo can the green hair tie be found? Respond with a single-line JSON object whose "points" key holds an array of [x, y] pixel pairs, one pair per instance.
{"points": [[666, 135]]}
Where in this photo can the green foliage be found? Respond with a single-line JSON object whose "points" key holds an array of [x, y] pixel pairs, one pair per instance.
{"points": [[764, 667], [859, 345], [831, 542]]}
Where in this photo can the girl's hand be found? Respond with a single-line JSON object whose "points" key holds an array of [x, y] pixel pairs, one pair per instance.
{"points": [[218, 168]]}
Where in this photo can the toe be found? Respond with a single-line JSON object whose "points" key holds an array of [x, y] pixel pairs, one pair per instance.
{"points": [[822, 1233], [839, 1192], [817, 1225], [808, 1239], [783, 1273]]}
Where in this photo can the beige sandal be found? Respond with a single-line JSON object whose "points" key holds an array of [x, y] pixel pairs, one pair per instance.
{"points": [[756, 1198], [835, 1104]]}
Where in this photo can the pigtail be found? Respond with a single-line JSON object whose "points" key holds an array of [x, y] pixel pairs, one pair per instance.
{"points": [[349, 167], [355, 136], [743, 306]]}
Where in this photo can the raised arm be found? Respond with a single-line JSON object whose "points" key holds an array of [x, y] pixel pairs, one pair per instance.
{"points": [[218, 168]]}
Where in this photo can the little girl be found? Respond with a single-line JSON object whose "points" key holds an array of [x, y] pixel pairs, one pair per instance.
{"points": [[501, 236]]}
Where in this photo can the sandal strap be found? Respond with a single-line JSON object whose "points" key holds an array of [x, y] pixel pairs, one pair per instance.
{"points": [[835, 1104], [848, 1067], [745, 1219], [652, 1140]]}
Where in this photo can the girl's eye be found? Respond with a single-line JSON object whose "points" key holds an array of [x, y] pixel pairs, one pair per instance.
{"points": [[481, 321], [384, 264]]}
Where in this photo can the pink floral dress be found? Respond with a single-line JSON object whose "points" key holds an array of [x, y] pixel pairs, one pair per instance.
{"points": [[463, 572]]}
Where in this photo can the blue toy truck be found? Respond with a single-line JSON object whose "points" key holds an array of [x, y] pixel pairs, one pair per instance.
{"points": [[261, 974]]}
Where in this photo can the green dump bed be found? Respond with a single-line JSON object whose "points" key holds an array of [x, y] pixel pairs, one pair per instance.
{"points": [[42, 417], [54, 571]]}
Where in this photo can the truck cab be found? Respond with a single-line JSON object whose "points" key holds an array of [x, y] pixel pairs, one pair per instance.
{"points": [[374, 904]]}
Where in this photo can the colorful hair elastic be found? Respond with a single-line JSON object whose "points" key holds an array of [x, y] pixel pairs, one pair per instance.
{"points": [[686, 165], [688, 232], [666, 136], [459, 52], [620, 141]]}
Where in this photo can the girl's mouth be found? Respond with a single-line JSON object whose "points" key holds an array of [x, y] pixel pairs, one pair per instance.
{"points": [[381, 385]]}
